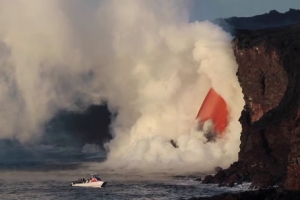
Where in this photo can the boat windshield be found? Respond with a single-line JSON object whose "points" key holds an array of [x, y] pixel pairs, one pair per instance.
{"points": [[96, 177]]}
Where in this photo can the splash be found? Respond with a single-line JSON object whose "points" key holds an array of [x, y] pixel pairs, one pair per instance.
{"points": [[143, 57]]}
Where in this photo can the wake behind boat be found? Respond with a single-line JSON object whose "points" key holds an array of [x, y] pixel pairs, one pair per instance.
{"points": [[94, 181]]}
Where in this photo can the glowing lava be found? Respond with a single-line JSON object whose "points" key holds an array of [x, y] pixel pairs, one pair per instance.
{"points": [[214, 108]]}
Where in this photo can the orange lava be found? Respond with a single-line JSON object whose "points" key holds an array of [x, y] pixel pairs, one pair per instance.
{"points": [[214, 108]]}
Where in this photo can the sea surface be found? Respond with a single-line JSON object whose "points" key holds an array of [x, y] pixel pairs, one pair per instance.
{"points": [[56, 185], [45, 173]]}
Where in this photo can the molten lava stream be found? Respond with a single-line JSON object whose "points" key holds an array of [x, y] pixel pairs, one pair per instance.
{"points": [[214, 108]]}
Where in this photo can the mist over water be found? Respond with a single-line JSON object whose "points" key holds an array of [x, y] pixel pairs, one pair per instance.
{"points": [[144, 58]]}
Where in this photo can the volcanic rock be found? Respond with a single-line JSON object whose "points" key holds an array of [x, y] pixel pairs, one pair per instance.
{"points": [[269, 74]]}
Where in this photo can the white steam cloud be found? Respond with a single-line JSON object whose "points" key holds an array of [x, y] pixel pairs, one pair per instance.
{"points": [[143, 57]]}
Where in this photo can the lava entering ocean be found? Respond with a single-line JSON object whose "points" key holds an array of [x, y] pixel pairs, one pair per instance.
{"points": [[213, 109], [144, 58]]}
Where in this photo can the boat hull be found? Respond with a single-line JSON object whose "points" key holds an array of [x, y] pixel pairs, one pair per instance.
{"points": [[99, 184]]}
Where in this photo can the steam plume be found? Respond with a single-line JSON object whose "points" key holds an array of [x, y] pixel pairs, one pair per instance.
{"points": [[143, 57]]}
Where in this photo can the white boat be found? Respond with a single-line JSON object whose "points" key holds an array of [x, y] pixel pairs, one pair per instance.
{"points": [[94, 181]]}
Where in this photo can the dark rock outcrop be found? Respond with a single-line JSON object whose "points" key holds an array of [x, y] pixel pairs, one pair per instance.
{"points": [[269, 74], [78, 128]]}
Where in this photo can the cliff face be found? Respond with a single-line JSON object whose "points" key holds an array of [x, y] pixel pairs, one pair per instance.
{"points": [[269, 74]]}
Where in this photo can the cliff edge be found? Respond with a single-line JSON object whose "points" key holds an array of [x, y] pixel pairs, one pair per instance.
{"points": [[269, 74]]}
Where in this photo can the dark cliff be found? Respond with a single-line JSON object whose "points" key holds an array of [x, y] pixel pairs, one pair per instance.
{"points": [[269, 69], [269, 74]]}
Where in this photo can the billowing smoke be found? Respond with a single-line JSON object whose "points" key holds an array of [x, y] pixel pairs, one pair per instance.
{"points": [[143, 57]]}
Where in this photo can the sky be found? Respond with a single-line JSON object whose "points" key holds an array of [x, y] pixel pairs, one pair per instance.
{"points": [[212, 9]]}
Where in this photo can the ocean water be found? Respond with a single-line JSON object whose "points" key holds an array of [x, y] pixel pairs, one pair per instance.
{"points": [[45, 173], [50, 185]]}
